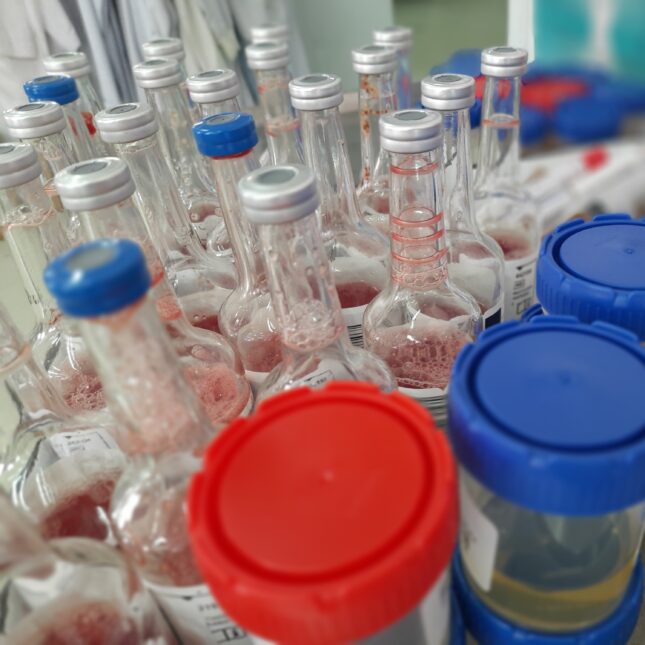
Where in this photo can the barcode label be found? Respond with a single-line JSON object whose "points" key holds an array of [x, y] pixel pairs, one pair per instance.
{"points": [[493, 316], [354, 320]]}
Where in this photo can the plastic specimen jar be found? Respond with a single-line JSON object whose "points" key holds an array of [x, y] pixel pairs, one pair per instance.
{"points": [[315, 528], [595, 271], [547, 422]]}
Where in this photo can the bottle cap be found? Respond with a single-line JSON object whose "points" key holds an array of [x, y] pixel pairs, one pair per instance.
{"points": [[98, 278], [534, 125], [595, 271], [394, 36], [316, 92], [504, 62], [532, 312], [213, 86], [164, 48], [95, 184], [75, 64], [448, 92], [410, 131], [487, 628], [587, 119], [59, 88], [269, 32], [126, 122], [18, 164], [267, 55], [343, 540], [225, 134], [34, 120], [374, 59], [629, 96], [278, 194], [156, 73], [549, 415]]}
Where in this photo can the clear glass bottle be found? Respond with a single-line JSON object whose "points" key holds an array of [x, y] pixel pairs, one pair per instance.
{"points": [[62, 89], [421, 320], [161, 78], [282, 202], [375, 66], [400, 38], [269, 61], [475, 260], [356, 250], [246, 317], [214, 91], [162, 427], [201, 280], [70, 591], [35, 233], [503, 209], [101, 192]]}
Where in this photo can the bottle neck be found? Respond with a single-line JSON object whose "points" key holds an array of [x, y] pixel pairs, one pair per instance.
{"points": [[418, 243], [217, 107], [80, 138], [54, 153], [89, 97]]}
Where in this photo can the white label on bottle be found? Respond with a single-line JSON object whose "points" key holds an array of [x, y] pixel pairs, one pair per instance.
{"points": [[492, 316], [478, 540], [519, 288], [66, 444], [195, 616], [432, 399], [327, 370], [435, 611], [354, 320]]}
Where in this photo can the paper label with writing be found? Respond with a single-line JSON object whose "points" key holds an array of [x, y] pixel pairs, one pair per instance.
{"points": [[519, 287], [327, 370], [68, 444]]}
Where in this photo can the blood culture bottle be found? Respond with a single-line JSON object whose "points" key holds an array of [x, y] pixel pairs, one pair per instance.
{"points": [[161, 425], [475, 260], [400, 38], [269, 61], [246, 317], [595, 271], [161, 78], [375, 66], [70, 591], [282, 201], [101, 192], [378, 573], [214, 91], [356, 250], [62, 89], [35, 234], [546, 421], [503, 209], [201, 280], [421, 320]]}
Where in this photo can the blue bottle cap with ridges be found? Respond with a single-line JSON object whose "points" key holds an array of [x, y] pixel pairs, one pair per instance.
{"points": [[549, 415], [59, 88], [225, 134], [595, 271], [487, 628], [587, 119], [98, 278], [532, 312]]}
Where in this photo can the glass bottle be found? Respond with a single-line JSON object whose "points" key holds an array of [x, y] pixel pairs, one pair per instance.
{"points": [[70, 591], [503, 209], [161, 78], [269, 61], [356, 250], [375, 66], [101, 192], [35, 234], [201, 280], [214, 91], [400, 38], [270, 32], [421, 320], [475, 260], [162, 427], [62, 89], [282, 202], [246, 317]]}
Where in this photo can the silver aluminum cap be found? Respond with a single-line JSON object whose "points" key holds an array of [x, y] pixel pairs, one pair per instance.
{"points": [[164, 48], [269, 32], [18, 164], [269, 55], [504, 62], [74, 64], [35, 120], [316, 92], [410, 131], [213, 86], [448, 91], [91, 185], [125, 123], [374, 59], [157, 73], [394, 36]]}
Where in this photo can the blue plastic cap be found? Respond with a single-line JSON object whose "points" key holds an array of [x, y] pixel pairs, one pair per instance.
{"points": [[457, 629], [98, 278], [549, 415], [225, 134], [59, 88], [476, 113], [629, 96], [532, 312], [488, 628], [534, 126], [595, 271], [587, 119]]}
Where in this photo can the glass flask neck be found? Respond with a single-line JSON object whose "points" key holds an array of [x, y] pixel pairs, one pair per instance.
{"points": [[88, 94], [418, 242], [80, 138], [217, 107], [54, 153]]}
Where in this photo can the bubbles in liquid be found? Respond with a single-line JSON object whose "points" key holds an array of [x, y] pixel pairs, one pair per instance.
{"points": [[514, 244], [311, 325], [260, 348], [356, 294], [84, 392]]}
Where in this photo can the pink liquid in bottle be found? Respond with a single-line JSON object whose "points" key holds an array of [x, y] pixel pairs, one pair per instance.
{"points": [[514, 245], [84, 392], [260, 352], [356, 294], [208, 322]]}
